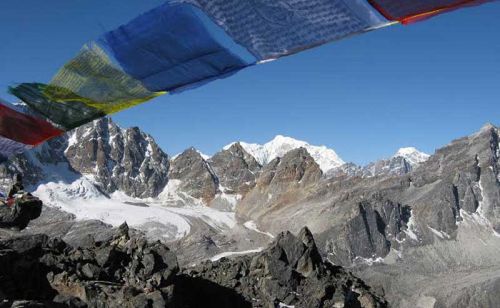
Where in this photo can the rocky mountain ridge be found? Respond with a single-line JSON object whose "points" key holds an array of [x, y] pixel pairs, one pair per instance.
{"points": [[130, 161], [439, 218], [404, 161]]}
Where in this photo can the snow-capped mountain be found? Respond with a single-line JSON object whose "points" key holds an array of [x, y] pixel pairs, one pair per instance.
{"points": [[105, 172], [413, 156], [404, 161], [326, 158], [116, 159]]}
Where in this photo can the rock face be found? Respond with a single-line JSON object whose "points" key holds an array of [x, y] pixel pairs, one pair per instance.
{"points": [[124, 270], [297, 166], [125, 160], [236, 170], [375, 226], [395, 166], [280, 181], [195, 175], [345, 170], [468, 170]]}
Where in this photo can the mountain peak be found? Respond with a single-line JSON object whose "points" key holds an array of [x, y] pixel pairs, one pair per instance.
{"points": [[488, 126], [412, 155], [191, 151], [296, 166], [406, 151], [285, 139], [280, 145], [234, 147]]}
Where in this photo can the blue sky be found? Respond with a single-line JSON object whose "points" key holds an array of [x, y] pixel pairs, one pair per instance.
{"points": [[420, 85]]}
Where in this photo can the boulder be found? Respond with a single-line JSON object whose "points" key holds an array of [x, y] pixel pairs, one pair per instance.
{"points": [[20, 212]]}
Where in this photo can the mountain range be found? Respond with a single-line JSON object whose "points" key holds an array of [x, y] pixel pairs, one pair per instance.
{"points": [[422, 228], [128, 161]]}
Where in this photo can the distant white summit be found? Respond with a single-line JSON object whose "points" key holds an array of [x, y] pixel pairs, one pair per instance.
{"points": [[413, 156], [326, 158]]}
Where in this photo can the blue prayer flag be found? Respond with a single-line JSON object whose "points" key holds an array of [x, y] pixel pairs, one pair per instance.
{"points": [[274, 28], [169, 48]]}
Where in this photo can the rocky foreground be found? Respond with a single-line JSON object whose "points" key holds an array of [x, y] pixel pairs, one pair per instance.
{"points": [[122, 269]]}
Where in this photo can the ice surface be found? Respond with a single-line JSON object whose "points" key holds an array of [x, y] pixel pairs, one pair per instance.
{"points": [[251, 225], [83, 199], [235, 253]]}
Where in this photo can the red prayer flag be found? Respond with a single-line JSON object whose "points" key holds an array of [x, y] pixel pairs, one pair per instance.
{"points": [[410, 11], [24, 128]]}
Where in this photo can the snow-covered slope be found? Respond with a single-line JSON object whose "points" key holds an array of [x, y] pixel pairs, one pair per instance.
{"points": [[413, 156], [326, 158], [157, 219]]}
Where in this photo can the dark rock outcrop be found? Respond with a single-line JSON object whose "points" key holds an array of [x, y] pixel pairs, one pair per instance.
{"points": [[376, 225], [119, 272], [20, 212], [290, 272], [125, 270]]}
